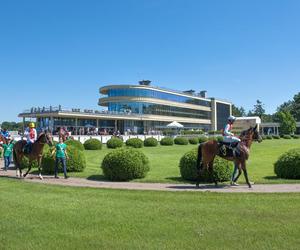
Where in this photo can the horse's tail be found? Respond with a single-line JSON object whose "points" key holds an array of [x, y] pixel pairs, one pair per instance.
{"points": [[199, 158], [15, 158]]}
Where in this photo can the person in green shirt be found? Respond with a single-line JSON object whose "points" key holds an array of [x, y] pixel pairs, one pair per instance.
{"points": [[61, 156], [8, 148]]}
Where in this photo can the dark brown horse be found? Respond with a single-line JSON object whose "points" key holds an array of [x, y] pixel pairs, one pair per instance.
{"points": [[209, 150], [3, 139], [35, 154]]}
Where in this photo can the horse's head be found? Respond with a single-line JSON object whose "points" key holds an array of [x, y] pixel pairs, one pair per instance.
{"points": [[251, 134], [46, 137]]}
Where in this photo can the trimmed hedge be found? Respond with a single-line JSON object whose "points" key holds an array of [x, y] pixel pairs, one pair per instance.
{"points": [[114, 142], [167, 141], [181, 141], [287, 137], [193, 140], [203, 139], [92, 144], [296, 136], [288, 165], [276, 137], [269, 137], [125, 165], [150, 142], [222, 169], [263, 137], [75, 143], [75, 163], [135, 143]]}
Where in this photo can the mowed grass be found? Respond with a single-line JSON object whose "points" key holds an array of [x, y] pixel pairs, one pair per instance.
{"points": [[164, 162], [38, 216]]}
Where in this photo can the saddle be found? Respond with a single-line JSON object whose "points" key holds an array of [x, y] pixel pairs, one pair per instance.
{"points": [[229, 149]]}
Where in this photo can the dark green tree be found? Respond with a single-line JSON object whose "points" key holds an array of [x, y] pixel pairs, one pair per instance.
{"points": [[238, 111], [287, 123], [258, 109]]}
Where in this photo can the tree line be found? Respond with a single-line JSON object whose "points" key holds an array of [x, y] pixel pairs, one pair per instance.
{"points": [[286, 114]]}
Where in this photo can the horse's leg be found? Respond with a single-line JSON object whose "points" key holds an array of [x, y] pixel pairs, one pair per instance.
{"points": [[40, 169], [236, 172], [211, 172], [199, 165], [246, 174], [29, 168]]}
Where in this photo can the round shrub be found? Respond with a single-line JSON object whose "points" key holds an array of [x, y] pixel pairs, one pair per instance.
{"points": [[125, 164], [269, 137], [276, 137], [188, 170], [193, 140], [263, 137], [75, 143], [287, 137], [150, 142], [288, 165], [75, 163], [296, 136], [167, 141], [114, 142], [220, 138], [25, 163], [92, 144], [181, 141], [135, 143], [203, 139]]}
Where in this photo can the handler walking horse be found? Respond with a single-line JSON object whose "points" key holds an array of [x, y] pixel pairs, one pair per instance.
{"points": [[209, 150], [35, 154]]}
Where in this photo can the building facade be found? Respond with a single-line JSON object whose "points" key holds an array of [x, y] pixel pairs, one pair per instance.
{"points": [[137, 109]]}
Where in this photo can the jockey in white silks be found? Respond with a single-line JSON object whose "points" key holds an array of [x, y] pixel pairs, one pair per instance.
{"points": [[31, 137], [228, 135]]}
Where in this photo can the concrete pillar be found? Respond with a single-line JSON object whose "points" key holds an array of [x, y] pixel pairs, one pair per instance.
{"points": [[213, 114], [116, 125]]}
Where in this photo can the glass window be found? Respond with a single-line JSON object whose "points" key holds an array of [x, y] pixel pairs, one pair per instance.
{"points": [[156, 94]]}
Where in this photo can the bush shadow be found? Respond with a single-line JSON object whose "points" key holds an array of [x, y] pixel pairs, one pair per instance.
{"points": [[96, 177]]}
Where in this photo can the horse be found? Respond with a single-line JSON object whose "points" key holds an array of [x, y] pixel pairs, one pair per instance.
{"points": [[35, 154], [3, 139], [207, 152]]}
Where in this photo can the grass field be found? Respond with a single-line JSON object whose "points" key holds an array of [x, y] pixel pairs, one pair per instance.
{"points": [[38, 216], [164, 162]]}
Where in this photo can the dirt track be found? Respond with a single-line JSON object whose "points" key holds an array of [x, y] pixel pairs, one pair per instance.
{"points": [[81, 182]]}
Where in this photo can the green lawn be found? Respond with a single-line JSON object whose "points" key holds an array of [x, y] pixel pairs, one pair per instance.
{"points": [[38, 216], [164, 162]]}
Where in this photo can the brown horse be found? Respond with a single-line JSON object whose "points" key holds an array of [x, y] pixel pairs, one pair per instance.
{"points": [[35, 154], [3, 139], [209, 150]]}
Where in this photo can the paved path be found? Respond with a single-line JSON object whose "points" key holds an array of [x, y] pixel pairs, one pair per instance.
{"points": [[81, 182]]}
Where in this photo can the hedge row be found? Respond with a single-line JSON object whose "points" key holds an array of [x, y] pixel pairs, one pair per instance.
{"points": [[288, 165]]}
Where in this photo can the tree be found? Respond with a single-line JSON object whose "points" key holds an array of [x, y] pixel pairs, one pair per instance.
{"points": [[287, 123], [236, 111], [292, 106], [258, 109]]}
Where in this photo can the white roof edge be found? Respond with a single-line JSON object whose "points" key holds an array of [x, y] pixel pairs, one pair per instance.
{"points": [[257, 119]]}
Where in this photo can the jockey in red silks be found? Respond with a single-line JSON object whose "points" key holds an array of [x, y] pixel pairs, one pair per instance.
{"points": [[228, 135], [31, 137]]}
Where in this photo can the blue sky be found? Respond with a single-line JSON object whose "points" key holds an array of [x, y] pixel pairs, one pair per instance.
{"points": [[61, 52]]}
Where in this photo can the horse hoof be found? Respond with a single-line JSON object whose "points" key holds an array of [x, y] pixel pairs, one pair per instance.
{"points": [[250, 186]]}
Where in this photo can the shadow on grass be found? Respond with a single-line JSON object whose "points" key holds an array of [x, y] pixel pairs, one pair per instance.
{"points": [[273, 177], [201, 186], [96, 177]]}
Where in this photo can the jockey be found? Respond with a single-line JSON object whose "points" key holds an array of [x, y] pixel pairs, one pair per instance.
{"points": [[228, 135], [31, 136]]}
